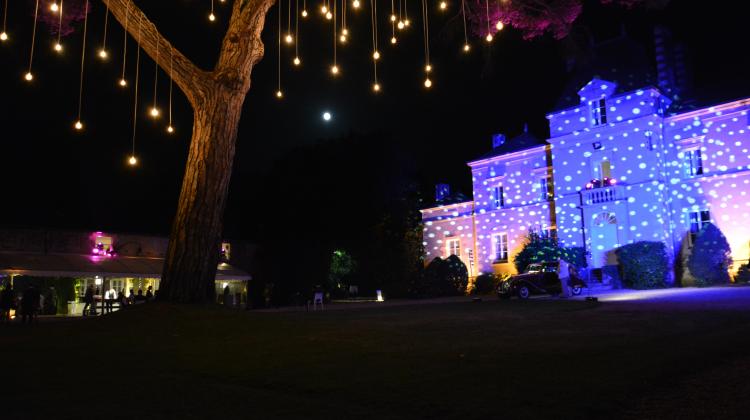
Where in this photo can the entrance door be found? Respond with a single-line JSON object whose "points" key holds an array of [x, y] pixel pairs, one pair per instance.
{"points": [[603, 239]]}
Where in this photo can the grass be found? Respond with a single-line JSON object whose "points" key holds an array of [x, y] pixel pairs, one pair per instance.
{"points": [[513, 359]]}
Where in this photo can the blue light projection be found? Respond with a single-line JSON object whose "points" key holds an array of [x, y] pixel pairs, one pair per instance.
{"points": [[622, 170]]}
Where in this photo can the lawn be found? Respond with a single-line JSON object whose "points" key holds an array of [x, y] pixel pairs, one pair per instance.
{"points": [[510, 359]]}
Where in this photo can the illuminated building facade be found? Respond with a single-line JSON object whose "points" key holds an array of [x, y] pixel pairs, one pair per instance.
{"points": [[618, 168]]}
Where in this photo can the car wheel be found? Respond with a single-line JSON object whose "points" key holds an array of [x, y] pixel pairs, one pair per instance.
{"points": [[524, 292], [576, 290]]}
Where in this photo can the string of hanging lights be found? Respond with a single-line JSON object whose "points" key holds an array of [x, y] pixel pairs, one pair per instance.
{"points": [[123, 82], [78, 124], [4, 33], [133, 160], [29, 76], [296, 60], [103, 51], [58, 45]]}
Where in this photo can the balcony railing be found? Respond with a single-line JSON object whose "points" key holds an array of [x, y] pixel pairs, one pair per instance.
{"points": [[603, 195]]}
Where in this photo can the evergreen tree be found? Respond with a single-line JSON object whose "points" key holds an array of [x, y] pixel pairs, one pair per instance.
{"points": [[710, 257]]}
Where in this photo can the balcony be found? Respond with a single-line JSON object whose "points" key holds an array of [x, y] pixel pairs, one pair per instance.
{"points": [[602, 195]]}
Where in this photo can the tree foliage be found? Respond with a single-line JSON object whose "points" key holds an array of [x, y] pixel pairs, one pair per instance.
{"points": [[710, 257]]}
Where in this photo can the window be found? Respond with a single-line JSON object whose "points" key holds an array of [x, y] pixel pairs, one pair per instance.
{"points": [[500, 247], [453, 247], [550, 232], [498, 201], [546, 190], [599, 111], [605, 169], [698, 219], [693, 162]]}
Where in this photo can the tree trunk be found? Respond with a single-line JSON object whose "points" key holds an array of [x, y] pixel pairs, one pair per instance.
{"points": [[195, 242]]}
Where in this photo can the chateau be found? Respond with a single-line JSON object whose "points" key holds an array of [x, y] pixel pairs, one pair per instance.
{"points": [[620, 166]]}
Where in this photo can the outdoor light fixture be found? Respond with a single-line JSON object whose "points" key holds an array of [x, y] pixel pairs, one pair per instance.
{"points": [[3, 36]]}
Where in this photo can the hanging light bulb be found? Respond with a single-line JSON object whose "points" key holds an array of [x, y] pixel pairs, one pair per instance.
{"points": [[324, 9], [376, 87], [54, 7], [289, 38], [443, 5], [123, 82], [427, 83], [132, 161], [488, 38], [304, 13], [401, 24], [376, 55], [212, 17], [28, 76], [393, 40], [355, 4], [329, 15], [58, 47], [428, 68], [499, 25], [78, 125], [467, 47], [407, 22], [342, 38], [170, 129], [154, 112], [279, 94], [345, 31], [297, 61], [103, 54], [3, 36], [334, 69], [393, 18]]}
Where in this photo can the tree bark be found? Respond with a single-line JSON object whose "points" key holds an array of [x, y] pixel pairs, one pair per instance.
{"points": [[217, 98]]}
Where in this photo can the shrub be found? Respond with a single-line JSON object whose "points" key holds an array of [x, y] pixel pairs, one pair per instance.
{"points": [[710, 257], [447, 277], [485, 283], [575, 255], [643, 265], [743, 274]]}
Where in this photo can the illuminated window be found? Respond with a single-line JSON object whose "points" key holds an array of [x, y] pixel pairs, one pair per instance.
{"points": [[453, 247], [698, 219], [546, 191], [498, 201], [599, 112], [693, 162], [500, 247], [605, 169]]}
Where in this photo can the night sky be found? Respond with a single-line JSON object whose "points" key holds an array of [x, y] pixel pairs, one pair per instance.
{"points": [[55, 177]]}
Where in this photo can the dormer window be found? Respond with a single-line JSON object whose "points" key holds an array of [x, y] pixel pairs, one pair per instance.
{"points": [[599, 111], [693, 162]]}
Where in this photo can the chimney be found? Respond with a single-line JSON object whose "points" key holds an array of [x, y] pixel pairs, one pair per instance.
{"points": [[442, 192], [497, 140]]}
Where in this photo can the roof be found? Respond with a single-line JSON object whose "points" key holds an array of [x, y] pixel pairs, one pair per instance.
{"points": [[77, 265], [522, 142]]}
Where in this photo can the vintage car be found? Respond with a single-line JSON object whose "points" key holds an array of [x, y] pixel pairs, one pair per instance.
{"points": [[539, 278]]}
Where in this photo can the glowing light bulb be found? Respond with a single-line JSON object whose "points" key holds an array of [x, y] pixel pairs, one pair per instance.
{"points": [[407, 22], [304, 13], [355, 4], [212, 17], [170, 129], [297, 61], [78, 125], [58, 47], [428, 68], [342, 38], [288, 38], [335, 69], [376, 55], [499, 25], [400, 25], [3, 36], [393, 40], [103, 53], [467, 47], [329, 15], [488, 38], [132, 161], [345, 31], [393, 18], [376, 87], [427, 83], [327, 116], [123, 82], [54, 7], [29, 77], [323, 9], [279, 94], [443, 5], [154, 112]]}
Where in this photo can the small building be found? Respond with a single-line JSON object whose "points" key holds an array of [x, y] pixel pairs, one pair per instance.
{"points": [[107, 261]]}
